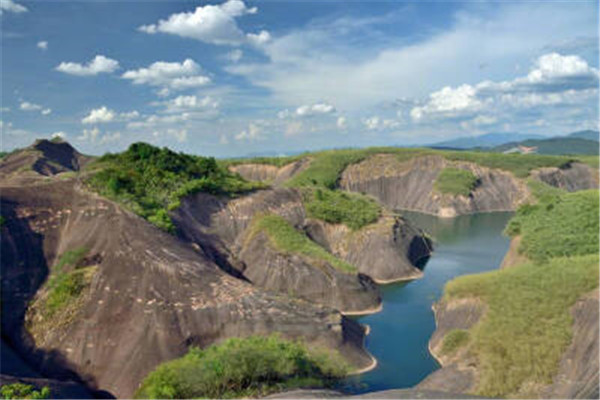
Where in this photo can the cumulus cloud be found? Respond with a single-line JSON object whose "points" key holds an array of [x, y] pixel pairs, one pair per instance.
{"points": [[11, 6], [99, 116], [315, 109], [553, 79], [215, 24], [46, 111], [99, 65], [234, 55], [341, 123], [190, 103], [251, 133], [169, 75], [258, 39], [42, 45], [27, 106]]}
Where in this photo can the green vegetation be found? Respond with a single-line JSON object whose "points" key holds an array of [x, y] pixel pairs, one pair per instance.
{"points": [[254, 366], [527, 325], [565, 225], [286, 238], [275, 161], [337, 207], [542, 191], [2, 220], [327, 166], [455, 181], [23, 391], [151, 181], [454, 340], [63, 288]]}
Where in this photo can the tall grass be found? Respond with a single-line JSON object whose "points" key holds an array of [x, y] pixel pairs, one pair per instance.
{"points": [[351, 209]]}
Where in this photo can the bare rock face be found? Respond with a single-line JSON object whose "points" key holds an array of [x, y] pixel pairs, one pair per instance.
{"points": [[219, 227], [310, 279], [578, 372], [151, 298], [575, 176], [458, 373], [399, 247], [270, 173], [408, 185]]}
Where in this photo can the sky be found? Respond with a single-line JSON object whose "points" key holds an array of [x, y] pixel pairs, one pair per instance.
{"points": [[239, 78]]}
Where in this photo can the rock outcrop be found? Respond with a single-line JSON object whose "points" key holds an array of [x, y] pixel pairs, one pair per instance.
{"points": [[572, 177], [152, 297], [219, 227], [409, 185]]}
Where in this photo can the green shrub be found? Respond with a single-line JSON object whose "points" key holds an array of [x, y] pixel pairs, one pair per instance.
{"points": [[564, 225], [151, 181], [543, 192], [2, 220], [455, 181], [253, 366], [337, 207], [288, 239], [23, 391], [454, 340]]}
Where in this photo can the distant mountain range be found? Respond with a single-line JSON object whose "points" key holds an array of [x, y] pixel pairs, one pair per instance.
{"points": [[581, 142]]}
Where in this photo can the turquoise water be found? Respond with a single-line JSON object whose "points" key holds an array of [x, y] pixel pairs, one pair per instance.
{"points": [[400, 332]]}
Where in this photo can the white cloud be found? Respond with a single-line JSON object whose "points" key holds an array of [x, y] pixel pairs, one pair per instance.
{"points": [[27, 106], [127, 116], [99, 116], [11, 6], [89, 135], [315, 60], [42, 45], [258, 39], [341, 123], [234, 55], [169, 75], [553, 80], [189, 103], [153, 121], [371, 123], [315, 109], [448, 100], [293, 128], [46, 111], [223, 139], [215, 24], [251, 133], [99, 65]]}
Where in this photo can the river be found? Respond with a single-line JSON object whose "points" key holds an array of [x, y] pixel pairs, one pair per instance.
{"points": [[399, 334]]}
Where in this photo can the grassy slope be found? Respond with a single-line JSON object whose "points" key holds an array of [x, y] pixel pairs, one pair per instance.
{"points": [[286, 238], [250, 367], [455, 181], [527, 327]]}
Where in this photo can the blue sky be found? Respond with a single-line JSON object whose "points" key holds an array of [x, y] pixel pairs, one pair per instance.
{"points": [[245, 77]]}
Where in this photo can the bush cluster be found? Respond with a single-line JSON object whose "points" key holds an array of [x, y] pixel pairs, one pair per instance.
{"points": [[254, 366], [23, 391], [455, 181], [337, 207], [151, 181]]}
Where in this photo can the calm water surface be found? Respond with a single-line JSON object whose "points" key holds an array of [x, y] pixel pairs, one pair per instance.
{"points": [[400, 333]]}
